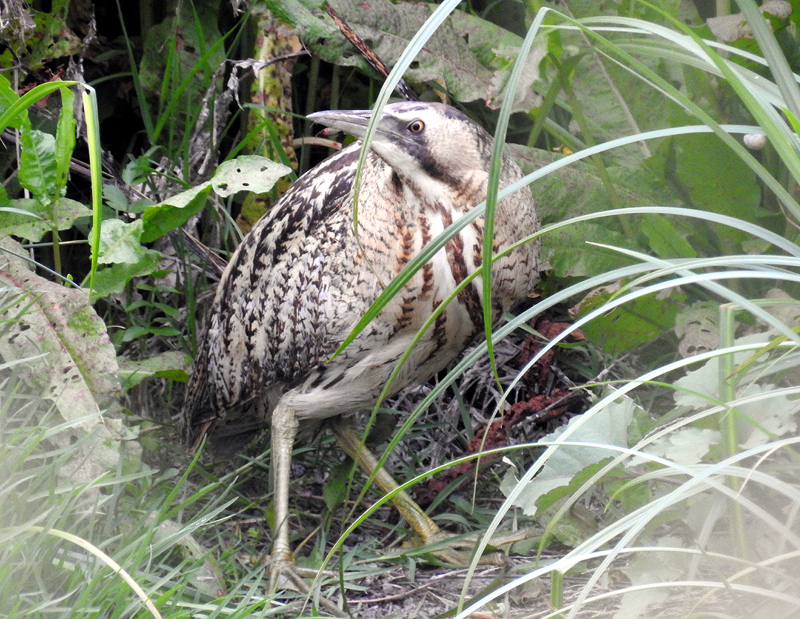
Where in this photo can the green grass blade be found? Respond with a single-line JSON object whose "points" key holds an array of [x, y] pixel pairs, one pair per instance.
{"points": [[89, 96], [29, 98]]}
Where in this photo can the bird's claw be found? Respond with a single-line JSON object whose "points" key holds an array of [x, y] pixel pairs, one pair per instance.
{"points": [[286, 575]]}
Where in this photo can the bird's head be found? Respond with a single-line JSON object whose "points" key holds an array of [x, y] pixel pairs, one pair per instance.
{"points": [[429, 145]]}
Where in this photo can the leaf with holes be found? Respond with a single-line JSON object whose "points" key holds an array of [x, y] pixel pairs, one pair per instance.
{"points": [[758, 421], [247, 173], [468, 56], [78, 370]]}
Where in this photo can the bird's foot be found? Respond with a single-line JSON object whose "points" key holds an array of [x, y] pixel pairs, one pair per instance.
{"points": [[285, 574], [458, 550]]}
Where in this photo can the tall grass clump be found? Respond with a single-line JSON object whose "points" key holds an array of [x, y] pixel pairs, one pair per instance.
{"points": [[118, 545], [692, 465]]}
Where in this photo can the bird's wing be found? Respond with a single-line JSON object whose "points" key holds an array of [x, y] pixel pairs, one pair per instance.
{"points": [[269, 323]]}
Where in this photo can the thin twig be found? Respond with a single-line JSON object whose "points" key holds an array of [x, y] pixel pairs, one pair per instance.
{"points": [[369, 55]]}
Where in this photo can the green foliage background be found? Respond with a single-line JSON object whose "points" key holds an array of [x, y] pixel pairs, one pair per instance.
{"points": [[670, 239]]}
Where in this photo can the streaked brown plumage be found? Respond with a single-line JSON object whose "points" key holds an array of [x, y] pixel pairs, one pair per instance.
{"points": [[300, 280]]}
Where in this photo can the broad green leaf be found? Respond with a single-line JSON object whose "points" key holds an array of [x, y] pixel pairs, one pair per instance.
{"points": [[247, 173], [608, 426], [666, 240], [578, 190], [172, 365], [716, 179], [776, 415], [557, 493], [335, 490], [569, 254], [301, 13], [566, 192], [115, 198], [447, 58], [112, 280], [684, 446], [492, 45], [597, 88], [133, 333], [168, 310], [637, 322], [572, 528], [41, 218], [696, 328], [647, 568], [17, 112], [497, 49], [139, 206], [173, 212], [37, 164], [119, 241]]}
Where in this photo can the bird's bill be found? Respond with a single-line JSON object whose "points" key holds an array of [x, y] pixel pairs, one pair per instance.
{"points": [[352, 122]]}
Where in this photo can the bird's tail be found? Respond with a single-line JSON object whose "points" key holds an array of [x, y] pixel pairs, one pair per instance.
{"points": [[198, 413]]}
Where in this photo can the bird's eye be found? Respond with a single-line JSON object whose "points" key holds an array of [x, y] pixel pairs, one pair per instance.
{"points": [[416, 127]]}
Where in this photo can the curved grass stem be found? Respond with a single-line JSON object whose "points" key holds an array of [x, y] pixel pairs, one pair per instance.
{"points": [[116, 567]]}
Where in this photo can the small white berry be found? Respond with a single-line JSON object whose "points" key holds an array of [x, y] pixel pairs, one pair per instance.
{"points": [[755, 141]]}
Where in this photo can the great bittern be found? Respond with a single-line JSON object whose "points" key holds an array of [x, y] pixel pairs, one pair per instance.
{"points": [[302, 278]]}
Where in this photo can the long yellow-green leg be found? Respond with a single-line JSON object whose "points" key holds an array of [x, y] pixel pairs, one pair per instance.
{"points": [[349, 439], [284, 429], [282, 566]]}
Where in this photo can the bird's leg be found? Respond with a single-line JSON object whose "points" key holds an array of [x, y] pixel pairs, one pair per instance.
{"points": [[349, 440], [282, 567], [284, 429]]}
